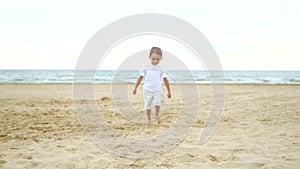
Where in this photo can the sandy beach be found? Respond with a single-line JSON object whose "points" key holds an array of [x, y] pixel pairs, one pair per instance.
{"points": [[259, 129]]}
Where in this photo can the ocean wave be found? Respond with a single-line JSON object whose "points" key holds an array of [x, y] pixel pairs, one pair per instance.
{"points": [[175, 77]]}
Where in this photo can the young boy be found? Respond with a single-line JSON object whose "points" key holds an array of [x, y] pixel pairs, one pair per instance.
{"points": [[154, 75]]}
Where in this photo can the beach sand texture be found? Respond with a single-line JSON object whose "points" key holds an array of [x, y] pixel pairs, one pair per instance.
{"points": [[259, 129]]}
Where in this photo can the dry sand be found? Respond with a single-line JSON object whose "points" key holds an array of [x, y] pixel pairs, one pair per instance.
{"points": [[259, 129]]}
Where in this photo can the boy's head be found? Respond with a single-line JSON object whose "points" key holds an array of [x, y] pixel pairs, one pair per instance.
{"points": [[155, 55]]}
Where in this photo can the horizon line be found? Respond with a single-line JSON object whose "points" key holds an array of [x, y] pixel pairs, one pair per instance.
{"points": [[165, 69]]}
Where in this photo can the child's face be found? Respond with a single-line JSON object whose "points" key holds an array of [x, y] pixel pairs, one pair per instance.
{"points": [[155, 58]]}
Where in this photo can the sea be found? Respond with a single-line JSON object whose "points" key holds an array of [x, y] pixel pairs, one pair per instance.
{"points": [[130, 76]]}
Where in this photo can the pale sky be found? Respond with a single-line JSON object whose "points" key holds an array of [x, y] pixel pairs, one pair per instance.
{"points": [[247, 35]]}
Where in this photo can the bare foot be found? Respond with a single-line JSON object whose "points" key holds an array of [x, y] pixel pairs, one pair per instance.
{"points": [[158, 120]]}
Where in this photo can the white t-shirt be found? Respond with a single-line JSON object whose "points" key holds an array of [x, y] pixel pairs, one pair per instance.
{"points": [[153, 77]]}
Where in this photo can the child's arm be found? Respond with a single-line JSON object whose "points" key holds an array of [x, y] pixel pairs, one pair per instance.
{"points": [[168, 87], [137, 84]]}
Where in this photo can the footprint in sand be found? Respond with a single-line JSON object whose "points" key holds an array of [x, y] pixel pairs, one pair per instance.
{"points": [[213, 158], [105, 98], [28, 157]]}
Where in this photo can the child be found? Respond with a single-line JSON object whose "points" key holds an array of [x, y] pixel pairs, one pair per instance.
{"points": [[154, 75]]}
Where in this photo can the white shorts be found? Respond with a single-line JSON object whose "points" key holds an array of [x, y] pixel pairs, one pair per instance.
{"points": [[152, 98]]}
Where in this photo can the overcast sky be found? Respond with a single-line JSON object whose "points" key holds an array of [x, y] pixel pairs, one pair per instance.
{"points": [[247, 35]]}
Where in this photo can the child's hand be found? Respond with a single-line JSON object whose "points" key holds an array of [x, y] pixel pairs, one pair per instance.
{"points": [[134, 91], [169, 95]]}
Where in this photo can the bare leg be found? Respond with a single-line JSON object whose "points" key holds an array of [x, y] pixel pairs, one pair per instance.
{"points": [[149, 115], [157, 114]]}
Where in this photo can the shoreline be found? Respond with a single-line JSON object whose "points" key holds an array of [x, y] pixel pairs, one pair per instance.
{"points": [[230, 84]]}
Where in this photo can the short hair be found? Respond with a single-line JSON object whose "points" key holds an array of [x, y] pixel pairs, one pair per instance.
{"points": [[155, 50]]}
